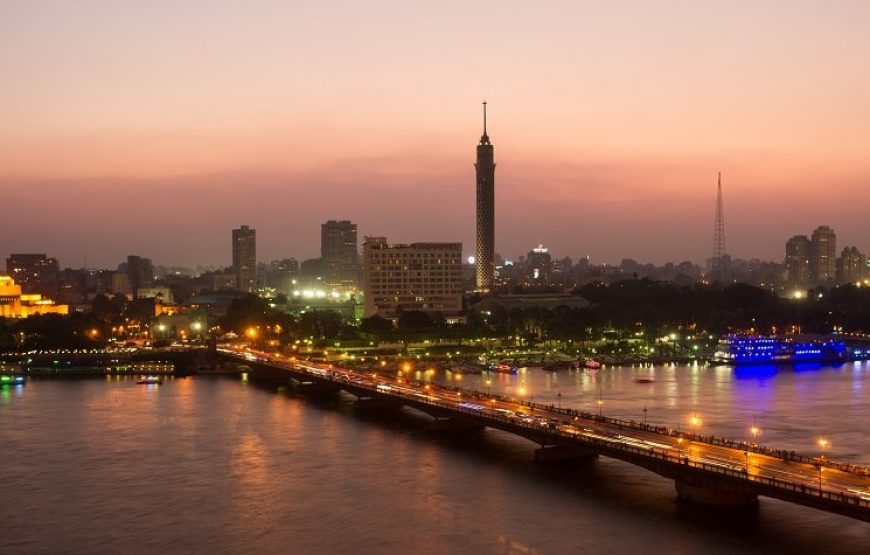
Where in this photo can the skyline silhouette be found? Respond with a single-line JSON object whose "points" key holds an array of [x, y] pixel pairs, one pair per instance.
{"points": [[612, 122]]}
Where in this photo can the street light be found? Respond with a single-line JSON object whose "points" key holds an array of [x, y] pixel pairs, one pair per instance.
{"points": [[600, 400], [695, 423], [680, 449], [823, 444]]}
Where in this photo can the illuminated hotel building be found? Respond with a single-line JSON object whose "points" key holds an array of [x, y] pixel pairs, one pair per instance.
{"points": [[15, 304], [420, 276], [485, 254], [245, 258]]}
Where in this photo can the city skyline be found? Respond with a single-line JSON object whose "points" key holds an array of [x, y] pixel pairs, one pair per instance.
{"points": [[612, 125]]}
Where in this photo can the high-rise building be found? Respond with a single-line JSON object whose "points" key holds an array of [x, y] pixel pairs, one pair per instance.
{"points": [[539, 263], [140, 272], [485, 169], [35, 273], [850, 265], [339, 255], [823, 255], [420, 276], [245, 258], [797, 261]]}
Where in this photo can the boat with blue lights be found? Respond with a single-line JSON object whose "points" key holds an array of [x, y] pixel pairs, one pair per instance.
{"points": [[788, 349]]}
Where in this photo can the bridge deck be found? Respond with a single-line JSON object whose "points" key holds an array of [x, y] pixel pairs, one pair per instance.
{"points": [[716, 464]]}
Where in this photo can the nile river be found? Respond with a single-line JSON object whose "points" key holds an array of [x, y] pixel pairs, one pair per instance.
{"points": [[215, 465]]}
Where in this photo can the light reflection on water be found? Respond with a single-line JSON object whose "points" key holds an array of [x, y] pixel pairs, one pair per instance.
{"points": [[209, 465], [792, 406]]}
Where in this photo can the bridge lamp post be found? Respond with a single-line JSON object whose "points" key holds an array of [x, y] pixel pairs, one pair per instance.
{"points": [[695, 421], [679, 449], [823, 444]]}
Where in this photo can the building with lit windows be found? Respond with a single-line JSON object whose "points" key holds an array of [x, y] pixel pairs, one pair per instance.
{"points": [[15, 304], [850, 265], [245, 258], [35, 273], [823, 255], [538, 264], [797, 260], [420, 276], [338, 254]]}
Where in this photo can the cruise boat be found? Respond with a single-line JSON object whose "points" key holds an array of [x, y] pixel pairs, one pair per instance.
{"points": [[789, 349], [150, 380]]}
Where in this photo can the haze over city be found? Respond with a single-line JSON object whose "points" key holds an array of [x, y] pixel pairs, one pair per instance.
{"points": [[155, 128]]}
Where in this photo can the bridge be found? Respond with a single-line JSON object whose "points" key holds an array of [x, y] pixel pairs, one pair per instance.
{"points": [[704, 469]]}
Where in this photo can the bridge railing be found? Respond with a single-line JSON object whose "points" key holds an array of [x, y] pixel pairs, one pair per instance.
{"points": [[656, 454], [786, 455], [613, 447]]}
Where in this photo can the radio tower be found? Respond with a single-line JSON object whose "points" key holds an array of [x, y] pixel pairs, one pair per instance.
{"points": [[719, 266]]}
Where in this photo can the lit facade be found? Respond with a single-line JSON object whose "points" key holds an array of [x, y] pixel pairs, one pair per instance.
{"points": [[339, 255], [15, 304], [797, 260], [485, 252], [245, 258], [823, 255], [421, 276], [538, 264], [850, 265]]}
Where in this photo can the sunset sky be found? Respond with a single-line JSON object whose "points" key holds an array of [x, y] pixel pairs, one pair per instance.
{"points": [[154, 127]]}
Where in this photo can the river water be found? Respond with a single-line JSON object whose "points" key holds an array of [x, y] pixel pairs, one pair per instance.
{"points": [[215, 465]]}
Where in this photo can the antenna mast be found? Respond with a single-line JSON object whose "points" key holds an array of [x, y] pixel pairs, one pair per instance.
{"points": [[719, 236]]}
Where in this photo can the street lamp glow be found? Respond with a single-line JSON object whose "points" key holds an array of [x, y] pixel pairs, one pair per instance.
{"points": [[823, 444]]}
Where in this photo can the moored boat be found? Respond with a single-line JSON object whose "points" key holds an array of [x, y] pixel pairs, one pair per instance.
{"points": [[740, 349], [503, 368], [6, 379]]}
